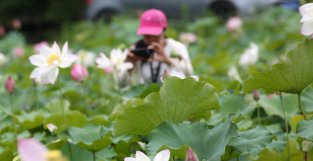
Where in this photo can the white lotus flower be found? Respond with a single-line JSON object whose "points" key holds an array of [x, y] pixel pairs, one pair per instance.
{"points": [[3, 59], [306, 11], [48, 62], [116, 61], [250, 55], [163, 155], [234, 74], [85, 58]]}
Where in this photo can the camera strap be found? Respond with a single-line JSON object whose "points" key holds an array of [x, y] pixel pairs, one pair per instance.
{"points": [[155, 73]]}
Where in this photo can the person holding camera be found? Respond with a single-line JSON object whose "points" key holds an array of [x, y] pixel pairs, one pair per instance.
{"points": [[155, 56]]}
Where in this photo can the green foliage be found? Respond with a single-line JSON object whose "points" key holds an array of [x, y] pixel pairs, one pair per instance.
{"points": [[69, 119], [177, 100], [92, 137], [291, 75], [304, 129], [251, 142], [208, 143]]}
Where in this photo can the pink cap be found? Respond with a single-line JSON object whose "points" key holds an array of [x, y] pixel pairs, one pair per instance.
{"points": [[152, 22]]}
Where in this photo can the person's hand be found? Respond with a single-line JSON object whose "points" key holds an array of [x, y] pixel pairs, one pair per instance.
{"points": [[159, 53], [132, 58]]}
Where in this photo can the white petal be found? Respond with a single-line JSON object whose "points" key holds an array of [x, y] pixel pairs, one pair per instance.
{"points": [[65, 48], [103, 61], [116, 56], [56, 48], [163, 155], [67, 60], [38, 60], [45, 51], [53, 75], [307, 28], [140, 156], [31, 150], [41, 75], [306, 8], [125, 66], [306, 19], [129, 159]]}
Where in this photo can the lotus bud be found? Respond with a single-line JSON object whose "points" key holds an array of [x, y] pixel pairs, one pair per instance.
{"points": [[9, 85], [79, 72], [191, 156], [256, 95]]}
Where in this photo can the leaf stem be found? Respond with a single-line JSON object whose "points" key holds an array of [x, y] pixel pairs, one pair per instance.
{"points": [[300, 107], [70, 151], [93, 155], [286, 124]]}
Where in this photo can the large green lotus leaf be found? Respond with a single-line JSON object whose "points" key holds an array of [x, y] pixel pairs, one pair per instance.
{"points": [[177, 100], [291, 75], [30, 120], [73, 118], [273, 155], [251, 142], [106, 154], [272, 105], [305, 129], [78, 153], [92, 137], [279, 141], [307, 99], [208, 143], [232, 104]]}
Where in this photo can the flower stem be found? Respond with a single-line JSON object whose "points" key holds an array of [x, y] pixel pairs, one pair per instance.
{"points": [[259, 113], [300, 107], [62, 106], [36, 95], [94, 156], [69, 150], [64, 120], [286, 124], [13, 116]]}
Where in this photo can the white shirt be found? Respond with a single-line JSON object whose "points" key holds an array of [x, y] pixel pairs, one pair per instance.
{"points": [[142, 73]]}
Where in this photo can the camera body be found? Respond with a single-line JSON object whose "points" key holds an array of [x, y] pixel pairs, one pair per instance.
{"points": [[143, 52]]}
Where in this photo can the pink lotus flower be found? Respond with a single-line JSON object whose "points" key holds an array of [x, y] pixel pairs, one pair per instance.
{"points": [[191, 156], [2, 30], [40, 45], [187, 38], [31, 150], [79, 72], [16, 24], [234, 24], [9, 85], [18, 52]]}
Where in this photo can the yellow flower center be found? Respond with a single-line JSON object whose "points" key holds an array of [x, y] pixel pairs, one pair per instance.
{"points": [[53, 58], [55, 155]]}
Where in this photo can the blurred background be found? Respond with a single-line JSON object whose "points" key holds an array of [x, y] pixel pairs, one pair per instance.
{"points": [[40, 20]]}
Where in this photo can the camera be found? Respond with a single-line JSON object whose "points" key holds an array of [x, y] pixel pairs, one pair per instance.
{"points": [[143, 52]]}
